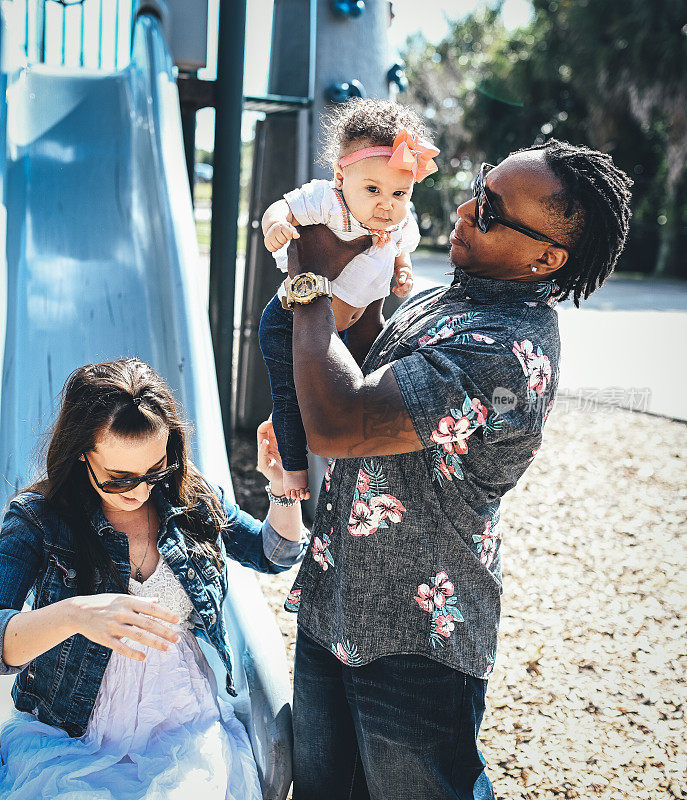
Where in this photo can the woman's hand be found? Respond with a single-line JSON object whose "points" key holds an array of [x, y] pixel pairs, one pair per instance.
{"points": [[320, 250], [108, 618], [269, 460]]}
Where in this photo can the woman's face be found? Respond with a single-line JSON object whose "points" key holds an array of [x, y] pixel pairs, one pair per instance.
{"points": [[115, 457]]}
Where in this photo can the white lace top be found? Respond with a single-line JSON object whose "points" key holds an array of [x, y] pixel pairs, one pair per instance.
{"points": [[164, 585]]}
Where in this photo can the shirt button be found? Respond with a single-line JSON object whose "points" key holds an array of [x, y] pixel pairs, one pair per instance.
{"points": [[329, 506], [191, 574]]}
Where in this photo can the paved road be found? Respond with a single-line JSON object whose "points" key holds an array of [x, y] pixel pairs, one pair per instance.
{"points": [[623, 347]]}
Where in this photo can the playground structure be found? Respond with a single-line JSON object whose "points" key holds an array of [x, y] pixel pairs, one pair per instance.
{"points": [[99, 257]]}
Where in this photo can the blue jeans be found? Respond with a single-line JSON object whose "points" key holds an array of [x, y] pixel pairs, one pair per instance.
{"points": [[275, 336], [401, 727]]}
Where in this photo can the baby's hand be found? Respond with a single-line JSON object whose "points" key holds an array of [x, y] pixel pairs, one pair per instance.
{"points": [[278, 234], [404, 279]]}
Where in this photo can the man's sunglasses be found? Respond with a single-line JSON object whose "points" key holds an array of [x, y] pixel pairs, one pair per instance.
{"points": [[485, 214], [127, 484]]}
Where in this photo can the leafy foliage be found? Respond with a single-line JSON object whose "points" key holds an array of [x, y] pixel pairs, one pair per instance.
{"points": [[606, 74]]}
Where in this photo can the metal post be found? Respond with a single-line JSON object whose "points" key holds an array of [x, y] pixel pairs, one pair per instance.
{"points": [[40, 30], [225, 194], [188, 129], [283, 161]]}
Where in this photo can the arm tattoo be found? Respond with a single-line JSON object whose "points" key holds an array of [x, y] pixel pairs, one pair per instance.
{"points": [[385, 422]]}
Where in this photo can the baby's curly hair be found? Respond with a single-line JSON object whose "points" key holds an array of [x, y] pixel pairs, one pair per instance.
{"points": [[366, 122]]}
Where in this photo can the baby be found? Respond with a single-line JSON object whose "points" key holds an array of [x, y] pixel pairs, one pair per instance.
{"points": [[377, 152]]}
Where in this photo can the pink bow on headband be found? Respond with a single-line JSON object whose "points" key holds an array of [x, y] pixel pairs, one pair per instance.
{"points": [[414, 154], [407, 152]]}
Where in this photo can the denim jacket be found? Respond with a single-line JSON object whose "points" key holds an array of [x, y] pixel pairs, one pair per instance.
{"points": [[37, 552]]}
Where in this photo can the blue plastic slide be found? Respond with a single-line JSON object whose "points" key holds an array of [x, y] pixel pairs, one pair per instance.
{"points": [[99, 260]]}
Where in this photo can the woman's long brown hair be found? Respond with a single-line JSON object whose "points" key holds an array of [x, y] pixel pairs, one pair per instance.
{"points": [[100, 398]]}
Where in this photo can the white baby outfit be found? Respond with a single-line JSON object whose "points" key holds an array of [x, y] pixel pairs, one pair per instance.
{"points": [[368, 276], [158, 730]]}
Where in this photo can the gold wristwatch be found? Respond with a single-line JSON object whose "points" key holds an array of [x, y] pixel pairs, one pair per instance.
{"points": [[305, 288]]}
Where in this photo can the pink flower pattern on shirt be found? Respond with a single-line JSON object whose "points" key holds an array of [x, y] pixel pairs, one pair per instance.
{"points": [[373, 507], [438, 599], [328, 474], [320, 551], [535, 365], [451, 435], [364, 520], [347, 653], [454, 328], [487, 543], [293, 601], [490, 665], [389, 507]]}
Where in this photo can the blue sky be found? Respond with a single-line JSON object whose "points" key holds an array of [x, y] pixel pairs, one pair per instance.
{"points": [[433, 23]]}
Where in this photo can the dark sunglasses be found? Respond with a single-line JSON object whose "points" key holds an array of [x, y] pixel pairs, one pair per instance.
{"points": [[485, 214], [127, 484]]}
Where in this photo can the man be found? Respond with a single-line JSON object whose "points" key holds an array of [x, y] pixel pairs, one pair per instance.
{"points": [[399, 596]]}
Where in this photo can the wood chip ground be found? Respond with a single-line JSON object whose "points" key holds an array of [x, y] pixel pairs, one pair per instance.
{"points": [[588, 694]]}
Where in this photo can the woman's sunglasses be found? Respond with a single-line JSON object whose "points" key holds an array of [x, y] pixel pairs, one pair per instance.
{"points": [[485, 214], [127, 484]]}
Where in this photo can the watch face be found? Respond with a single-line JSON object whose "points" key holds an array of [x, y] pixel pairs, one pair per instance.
{"points": [[303, 285]]}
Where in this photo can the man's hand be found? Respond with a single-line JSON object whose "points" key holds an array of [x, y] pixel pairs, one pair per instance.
{"points": [[320, 250]]}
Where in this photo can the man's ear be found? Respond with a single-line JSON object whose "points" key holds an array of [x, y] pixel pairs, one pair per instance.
{"points": [[552, 259]]}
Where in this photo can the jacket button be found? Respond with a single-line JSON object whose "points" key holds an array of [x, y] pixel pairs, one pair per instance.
{"points": [[191, 574]]}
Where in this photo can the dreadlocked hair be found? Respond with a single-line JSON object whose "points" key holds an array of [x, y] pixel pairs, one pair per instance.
{"points": [[593, 212]]}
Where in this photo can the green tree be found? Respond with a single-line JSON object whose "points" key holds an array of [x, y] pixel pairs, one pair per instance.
{"points": [[610, 75]]}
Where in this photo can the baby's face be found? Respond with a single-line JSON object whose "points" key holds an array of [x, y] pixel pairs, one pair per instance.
{"points": [[376, 195]]}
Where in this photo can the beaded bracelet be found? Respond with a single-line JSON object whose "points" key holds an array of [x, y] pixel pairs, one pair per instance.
{"points": [[279, 500]]}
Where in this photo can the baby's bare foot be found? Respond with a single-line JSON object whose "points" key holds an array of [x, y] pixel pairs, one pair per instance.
{"points": [[296, 484]]}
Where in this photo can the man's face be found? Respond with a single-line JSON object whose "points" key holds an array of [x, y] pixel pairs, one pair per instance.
{"points": [[515, 189]]}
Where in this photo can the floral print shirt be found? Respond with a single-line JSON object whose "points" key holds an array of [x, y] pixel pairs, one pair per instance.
{"points": [[405, 553]]}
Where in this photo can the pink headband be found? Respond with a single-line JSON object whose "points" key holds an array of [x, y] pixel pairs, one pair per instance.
{"points": [[407, 152]]}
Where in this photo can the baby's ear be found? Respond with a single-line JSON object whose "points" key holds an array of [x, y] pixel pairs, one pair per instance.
{"points": [[338, 177]]}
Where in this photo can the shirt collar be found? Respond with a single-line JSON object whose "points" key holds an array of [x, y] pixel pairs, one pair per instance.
{"points": [[165, 511], [496, 289]]}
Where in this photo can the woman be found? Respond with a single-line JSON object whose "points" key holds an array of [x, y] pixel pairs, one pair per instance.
{"points": [[124, 544]]}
